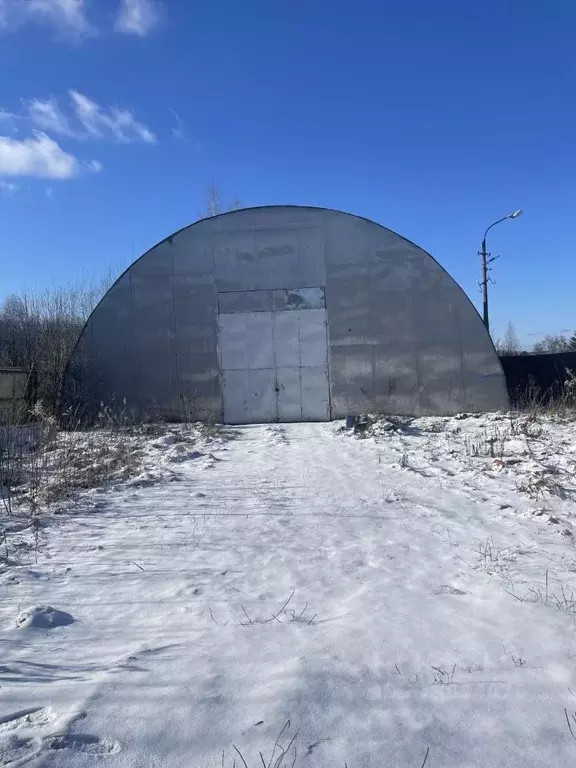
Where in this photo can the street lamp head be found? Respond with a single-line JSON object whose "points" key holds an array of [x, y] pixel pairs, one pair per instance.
{"points": [[485, 262]]}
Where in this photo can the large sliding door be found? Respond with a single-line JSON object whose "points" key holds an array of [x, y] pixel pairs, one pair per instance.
{"points": [[275, 363]]}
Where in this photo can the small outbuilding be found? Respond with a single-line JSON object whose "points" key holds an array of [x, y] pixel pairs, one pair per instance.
{"points": [[286, 313]]}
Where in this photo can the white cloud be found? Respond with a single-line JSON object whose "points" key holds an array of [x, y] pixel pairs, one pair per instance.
{"points": [[9, 120], [4, 13], [8, 188], [134, 17], [69, 15], [48, 116], [88, 120], [36, 156], [95, 166], [5, 115], [137, 17], [40, 156], [100, 122], [178, 131]]}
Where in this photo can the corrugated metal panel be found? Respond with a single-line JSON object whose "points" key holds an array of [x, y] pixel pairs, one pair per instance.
{"points": [[402, 335]]}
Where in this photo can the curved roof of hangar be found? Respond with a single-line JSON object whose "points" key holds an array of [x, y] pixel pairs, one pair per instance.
{"points": [[271, 208], [318, 208]]}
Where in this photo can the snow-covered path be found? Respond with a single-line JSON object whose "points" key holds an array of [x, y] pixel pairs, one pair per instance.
{"points": [[298, 575]]}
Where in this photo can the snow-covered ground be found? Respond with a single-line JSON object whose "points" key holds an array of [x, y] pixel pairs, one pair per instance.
{"points": [[402, 599]]}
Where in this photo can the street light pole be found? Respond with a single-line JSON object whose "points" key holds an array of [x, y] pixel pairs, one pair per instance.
{"points": [[485, 261]]}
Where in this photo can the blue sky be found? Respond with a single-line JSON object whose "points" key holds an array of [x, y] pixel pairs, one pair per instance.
{"points": [[432, 118]]}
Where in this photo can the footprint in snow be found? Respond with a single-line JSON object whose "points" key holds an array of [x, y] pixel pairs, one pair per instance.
{"points": [[35, 717], [13, 749], [15, 742], [83, 742]]}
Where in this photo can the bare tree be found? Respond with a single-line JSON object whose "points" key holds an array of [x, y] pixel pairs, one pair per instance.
{"points": [[554, 343], [509, 344], [214, 205], [38, 331], [234, 204]]}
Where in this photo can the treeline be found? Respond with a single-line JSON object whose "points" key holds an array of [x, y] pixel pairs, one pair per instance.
{"points": [[509, 344], [38, 331]]}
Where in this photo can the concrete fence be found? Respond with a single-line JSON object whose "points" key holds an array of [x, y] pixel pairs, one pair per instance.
{"points": [[537, 376], [14, 393]]}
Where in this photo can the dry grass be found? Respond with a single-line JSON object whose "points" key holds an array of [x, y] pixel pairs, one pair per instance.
{"points": [[533, 403], [284, 752], [380, 425], [43, 467], [517, 441]]}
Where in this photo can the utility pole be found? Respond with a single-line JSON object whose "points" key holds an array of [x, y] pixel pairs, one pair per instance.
{"points": [[485, 269], [484, 282]]}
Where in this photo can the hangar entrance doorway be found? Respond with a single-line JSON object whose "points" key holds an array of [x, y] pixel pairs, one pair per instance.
{"points": [[273, 350]]}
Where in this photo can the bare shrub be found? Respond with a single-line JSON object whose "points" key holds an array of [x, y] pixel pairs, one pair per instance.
{"points": [[542, 481], [534, 403], [492, 445], [19, 438], [100, 459], [42, 465], [380, 424]]}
